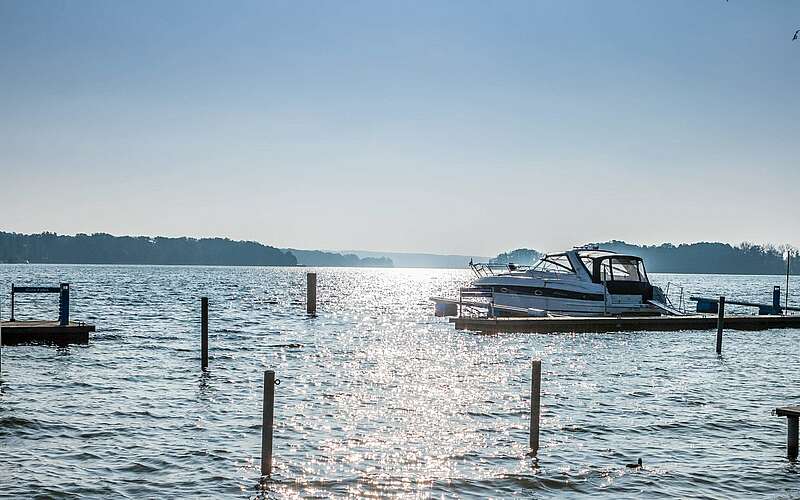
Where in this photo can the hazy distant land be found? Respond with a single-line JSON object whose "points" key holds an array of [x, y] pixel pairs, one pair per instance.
{"points": [[101, 248], [424, 260], [333, 259]]}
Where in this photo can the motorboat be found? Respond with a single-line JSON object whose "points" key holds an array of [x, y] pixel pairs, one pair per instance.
{"points": [[584, 281]]}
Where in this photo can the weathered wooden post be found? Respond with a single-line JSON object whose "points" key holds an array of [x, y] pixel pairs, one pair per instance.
{"points": [[204, 332], [12, 302], [63, 304], [536, 391], [720, 323], [266, 423], [788, 266], [311, 293], [792, 414]]}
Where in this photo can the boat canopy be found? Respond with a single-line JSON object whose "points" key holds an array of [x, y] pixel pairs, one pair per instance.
{"points": [[588, 264], [600, 265]]}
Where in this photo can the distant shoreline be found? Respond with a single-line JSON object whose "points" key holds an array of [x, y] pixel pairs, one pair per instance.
{"points": [[708, 258], [302, 266]]}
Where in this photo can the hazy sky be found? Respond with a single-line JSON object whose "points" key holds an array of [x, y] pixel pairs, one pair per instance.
{"points": [[470, 127]]}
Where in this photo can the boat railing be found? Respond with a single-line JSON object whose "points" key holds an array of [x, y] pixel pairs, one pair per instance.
{"points": [[677, 291], [483, 269]]}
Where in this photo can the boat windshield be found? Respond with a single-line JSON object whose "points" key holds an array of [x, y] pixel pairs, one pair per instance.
{"points": [[622, 269], [558, 263], [588, 263]]}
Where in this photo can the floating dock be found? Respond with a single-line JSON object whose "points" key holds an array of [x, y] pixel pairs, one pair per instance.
{"points": [[605, 324], [44, 332]]}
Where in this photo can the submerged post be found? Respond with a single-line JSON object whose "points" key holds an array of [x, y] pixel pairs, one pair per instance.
{"points": [[720, 323], [204, 332], [536, 390], [311, 293], [266, 423]]}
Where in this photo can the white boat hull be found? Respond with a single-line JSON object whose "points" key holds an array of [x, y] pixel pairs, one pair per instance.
{"points": [[620, 304]]}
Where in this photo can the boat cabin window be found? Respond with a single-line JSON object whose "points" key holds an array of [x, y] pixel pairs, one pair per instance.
{"points": [[555, 264], [588, 263], [622, 269]]}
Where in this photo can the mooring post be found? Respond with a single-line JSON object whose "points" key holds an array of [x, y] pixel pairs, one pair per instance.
{"points": [[776, 300], [311, 293], [204, 332], [266, 423], [536, 392], [63, 304], [720, 323], [788, 265], [792, 414], [12, 302]]}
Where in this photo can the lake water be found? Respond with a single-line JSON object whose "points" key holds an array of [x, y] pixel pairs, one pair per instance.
{"points": [[378, 397]]}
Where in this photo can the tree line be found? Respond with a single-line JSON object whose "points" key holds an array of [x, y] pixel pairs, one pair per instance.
{"points": [[101, 248], [691, 258], [709, 258]]}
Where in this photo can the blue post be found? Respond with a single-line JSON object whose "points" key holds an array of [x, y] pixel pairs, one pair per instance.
{"points": [[63, 305], [776, 300]]}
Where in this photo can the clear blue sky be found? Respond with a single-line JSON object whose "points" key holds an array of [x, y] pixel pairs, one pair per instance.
{"points": [[449, 127]]}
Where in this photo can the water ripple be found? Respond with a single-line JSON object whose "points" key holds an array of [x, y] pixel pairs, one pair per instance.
{"points": [[378, 398]]}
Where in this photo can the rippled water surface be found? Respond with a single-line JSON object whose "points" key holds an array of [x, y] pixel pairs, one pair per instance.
{"points": [[377, 397]]}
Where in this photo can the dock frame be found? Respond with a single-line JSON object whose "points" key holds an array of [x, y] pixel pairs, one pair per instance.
{"points": [[45, 332], [604, 324]]}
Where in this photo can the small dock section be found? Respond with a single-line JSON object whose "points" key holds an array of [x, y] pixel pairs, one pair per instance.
{"points": [[61, 332], [44, 332], [621, 324]]}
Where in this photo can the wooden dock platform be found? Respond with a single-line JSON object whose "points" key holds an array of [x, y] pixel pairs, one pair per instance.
{"points": [[44, 332], [622, 324]]}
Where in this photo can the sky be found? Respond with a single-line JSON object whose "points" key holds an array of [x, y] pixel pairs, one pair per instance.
{"points": [[467, 127]]}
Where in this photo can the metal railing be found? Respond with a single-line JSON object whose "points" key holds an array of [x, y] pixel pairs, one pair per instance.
{"points": [[680, 303], [483, 269]]}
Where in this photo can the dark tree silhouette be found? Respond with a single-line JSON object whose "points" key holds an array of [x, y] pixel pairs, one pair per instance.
{"points": [[694, 258], [100, 248]]}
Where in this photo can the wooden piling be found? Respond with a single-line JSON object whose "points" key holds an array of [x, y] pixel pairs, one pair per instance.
{"points": [[536, 390], [204, 332], [266, 423], [792, 414], [720, 323], [311, 293], [788, 266]]}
